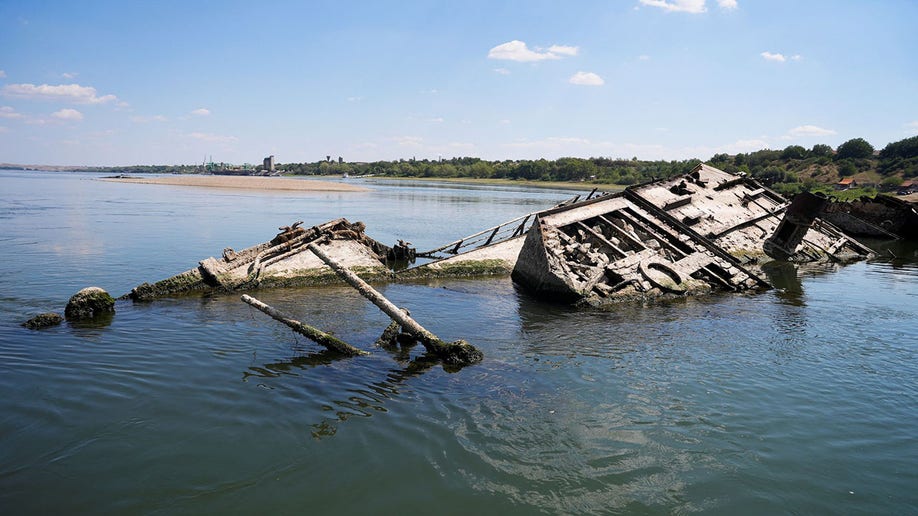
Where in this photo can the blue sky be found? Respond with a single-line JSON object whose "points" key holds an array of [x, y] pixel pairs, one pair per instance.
{"points": [[118, 83]]}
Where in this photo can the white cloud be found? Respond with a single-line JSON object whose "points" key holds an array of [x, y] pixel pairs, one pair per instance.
{"points": [[354, 99], [502, 71], [2, 74], [69, 75], [912, 127], [63, 92], [779, 58], [436, 120], [745, 145], [213, 138], [8, 112], [563, 50], [201, 112], [685, 6], [727, 4], [518, 51], [796, 57], [643, 57], [4, 129], [810, 130], [586, 79], [68, 114]]}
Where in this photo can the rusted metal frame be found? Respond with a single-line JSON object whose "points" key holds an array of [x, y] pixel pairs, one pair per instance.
{"points": [[593, 280], [456, 249], [622, 233], [667, 239], [771, 194], [522, 227], [729, 184], [745, 224], [580, 271], [465, 240], [720, 279], [707, 243], [823, 226], [490, 238], [602, 239]]}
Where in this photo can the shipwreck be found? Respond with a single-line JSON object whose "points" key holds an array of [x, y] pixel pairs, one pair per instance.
{"points": [[706, 231]]}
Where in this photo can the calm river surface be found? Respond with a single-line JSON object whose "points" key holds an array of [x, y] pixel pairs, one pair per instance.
{"points": [[803, 399]]}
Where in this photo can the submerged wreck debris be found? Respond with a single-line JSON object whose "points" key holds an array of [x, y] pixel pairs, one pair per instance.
{"points": [[707, 230], [881, 217], [693, 234], [492, 251], [283, 261], [316, 335], [459, 352]]}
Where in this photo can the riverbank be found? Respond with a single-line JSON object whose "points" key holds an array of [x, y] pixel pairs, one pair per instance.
{"points": [[555, 185], [244, 182]]}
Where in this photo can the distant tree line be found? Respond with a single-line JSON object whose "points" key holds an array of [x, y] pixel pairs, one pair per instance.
{"points": [[596, 170], [145, 169], [797, 169], [789, 171]]}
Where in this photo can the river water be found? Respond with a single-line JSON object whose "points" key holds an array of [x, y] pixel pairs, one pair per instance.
{"points": [[802, 399]]}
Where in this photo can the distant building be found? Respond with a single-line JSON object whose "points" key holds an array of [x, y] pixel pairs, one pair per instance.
{"points": [[269, 163], [846, 184], [340, 160]]}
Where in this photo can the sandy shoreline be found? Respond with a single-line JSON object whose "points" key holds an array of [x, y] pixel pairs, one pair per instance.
{"points": [[244, 182]]}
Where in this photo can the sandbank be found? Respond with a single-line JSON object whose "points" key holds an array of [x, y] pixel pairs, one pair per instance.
{"points": [[245, 182]]}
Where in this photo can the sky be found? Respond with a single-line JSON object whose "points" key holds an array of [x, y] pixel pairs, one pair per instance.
{"points": [[181, 82]]}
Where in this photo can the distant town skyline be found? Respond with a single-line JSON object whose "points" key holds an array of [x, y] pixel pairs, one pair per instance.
{"points": [[118, 83]]}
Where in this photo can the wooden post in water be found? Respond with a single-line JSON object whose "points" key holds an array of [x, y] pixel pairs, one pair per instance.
{"points": [[314, 334], [459, 352]]}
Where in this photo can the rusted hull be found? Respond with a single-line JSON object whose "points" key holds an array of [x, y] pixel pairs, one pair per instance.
{"points": [[690, 235]]}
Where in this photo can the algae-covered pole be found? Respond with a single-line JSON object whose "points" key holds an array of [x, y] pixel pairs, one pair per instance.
{"points": [[314, 334], [459, 352]]}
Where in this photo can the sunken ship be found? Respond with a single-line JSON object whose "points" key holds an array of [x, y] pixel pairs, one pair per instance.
{"points": [[706, 231]]}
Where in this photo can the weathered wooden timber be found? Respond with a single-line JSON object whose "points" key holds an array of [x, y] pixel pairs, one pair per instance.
{"points": [[689, 235]]}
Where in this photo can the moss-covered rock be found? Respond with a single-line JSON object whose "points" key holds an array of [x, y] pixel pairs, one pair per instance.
{"points": [[45, 320], [89, 303]]}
